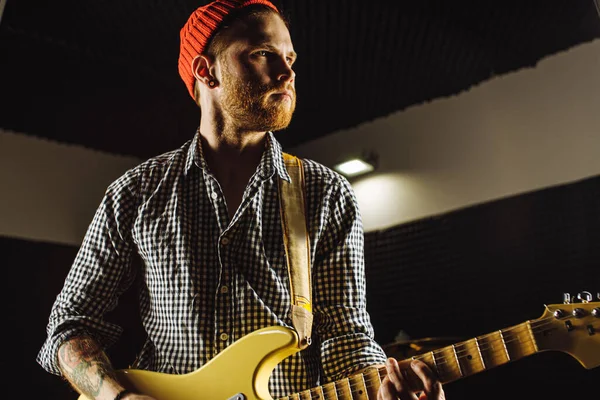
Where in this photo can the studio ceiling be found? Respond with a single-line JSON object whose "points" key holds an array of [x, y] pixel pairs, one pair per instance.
{"points": [[103, 73]]}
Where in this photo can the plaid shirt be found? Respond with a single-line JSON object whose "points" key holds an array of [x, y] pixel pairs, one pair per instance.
{"points": [[208, 280]]}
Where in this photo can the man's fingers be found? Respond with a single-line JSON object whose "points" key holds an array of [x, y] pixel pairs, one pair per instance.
{"points": [[386, 390], [397, 380], [431, 385], [395, 385]]}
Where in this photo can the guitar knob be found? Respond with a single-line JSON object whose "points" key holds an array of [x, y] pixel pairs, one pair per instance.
{"points": [[578, 312], [559, 313], [596, 312]]}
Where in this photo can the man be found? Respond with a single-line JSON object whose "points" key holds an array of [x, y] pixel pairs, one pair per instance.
{"points": [[205, 220]]}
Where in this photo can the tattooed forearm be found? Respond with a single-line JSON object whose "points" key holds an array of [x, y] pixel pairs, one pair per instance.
{"points": [[85, 365]]}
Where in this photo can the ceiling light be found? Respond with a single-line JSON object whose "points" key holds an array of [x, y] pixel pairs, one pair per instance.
{"points": [[354, 167]]}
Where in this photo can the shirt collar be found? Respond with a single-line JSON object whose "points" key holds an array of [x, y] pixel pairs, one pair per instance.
{"points": [[271, 161], [194, 154]]}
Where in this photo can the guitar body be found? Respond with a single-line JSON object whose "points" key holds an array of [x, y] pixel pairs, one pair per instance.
{"points": [[242, 368]]}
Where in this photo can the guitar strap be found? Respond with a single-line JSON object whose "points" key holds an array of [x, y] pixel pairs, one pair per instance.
{"points": [[297, 247]]}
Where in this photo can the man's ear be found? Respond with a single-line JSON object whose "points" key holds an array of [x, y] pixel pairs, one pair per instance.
{"points": [[201, 66]]}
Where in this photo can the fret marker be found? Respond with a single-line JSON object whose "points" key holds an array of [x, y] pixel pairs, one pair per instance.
{"points": [[435, 364], [504, 344], [457, 360], [480, 354]]}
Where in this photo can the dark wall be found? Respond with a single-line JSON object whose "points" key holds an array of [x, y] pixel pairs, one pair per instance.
{"points": [[488, 267], [36, 272], [461, 274]]}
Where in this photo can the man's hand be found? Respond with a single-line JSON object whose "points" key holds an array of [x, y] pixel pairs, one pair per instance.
{"points": [[395, 385]]}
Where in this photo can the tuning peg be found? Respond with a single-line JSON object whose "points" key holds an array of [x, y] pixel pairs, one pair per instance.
{"points": [[585, 297], [566, 298]]}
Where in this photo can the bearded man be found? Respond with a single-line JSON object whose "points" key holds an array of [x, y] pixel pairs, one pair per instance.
{"points": [[206, 221]]}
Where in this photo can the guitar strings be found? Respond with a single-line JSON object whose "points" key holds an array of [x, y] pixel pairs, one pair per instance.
{"points": [[507, 337], [370, 382]]}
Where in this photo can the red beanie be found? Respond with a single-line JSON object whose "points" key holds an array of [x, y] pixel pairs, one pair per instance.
{"points": [[199, 29]]}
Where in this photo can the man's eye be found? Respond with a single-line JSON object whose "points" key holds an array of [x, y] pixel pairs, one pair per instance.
{"points": [[262, 53]]}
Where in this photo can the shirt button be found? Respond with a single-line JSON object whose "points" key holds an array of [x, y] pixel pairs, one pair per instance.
{"points": [[224, 336], [214, 195], [224, 289], [225, 241]]}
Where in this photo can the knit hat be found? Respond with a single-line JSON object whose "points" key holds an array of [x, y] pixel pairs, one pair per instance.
{"points": [[199, 29]]}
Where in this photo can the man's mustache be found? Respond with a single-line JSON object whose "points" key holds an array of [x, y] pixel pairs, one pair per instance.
{"points": [[283, 89], [272, 89]]}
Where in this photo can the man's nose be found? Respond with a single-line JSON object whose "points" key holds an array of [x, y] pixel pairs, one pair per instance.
{"points": [[286, 73]]}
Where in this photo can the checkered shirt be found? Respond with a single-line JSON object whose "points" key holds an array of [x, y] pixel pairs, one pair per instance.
{"points": [[208, 280]]}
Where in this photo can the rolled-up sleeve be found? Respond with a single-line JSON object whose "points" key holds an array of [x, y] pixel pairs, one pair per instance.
{"points": [[99, 274], [342, 322]]}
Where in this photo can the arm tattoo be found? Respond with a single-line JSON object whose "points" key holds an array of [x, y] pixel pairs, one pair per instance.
{"points": [[84, 364]]}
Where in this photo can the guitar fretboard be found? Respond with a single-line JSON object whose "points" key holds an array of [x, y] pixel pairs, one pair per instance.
{"points": [[450, 363]]}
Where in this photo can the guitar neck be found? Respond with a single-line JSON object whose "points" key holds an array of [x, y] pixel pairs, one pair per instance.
{"points": [[481, 353], [451, 363]]}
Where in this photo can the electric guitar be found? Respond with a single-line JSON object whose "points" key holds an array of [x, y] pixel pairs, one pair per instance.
{"points": [[572, 328]]}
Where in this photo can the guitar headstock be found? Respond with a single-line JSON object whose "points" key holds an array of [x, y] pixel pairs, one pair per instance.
{"points": [[572, 327]]}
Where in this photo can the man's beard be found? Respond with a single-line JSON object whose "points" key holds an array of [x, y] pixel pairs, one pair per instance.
{"points": [[251, 108]]}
